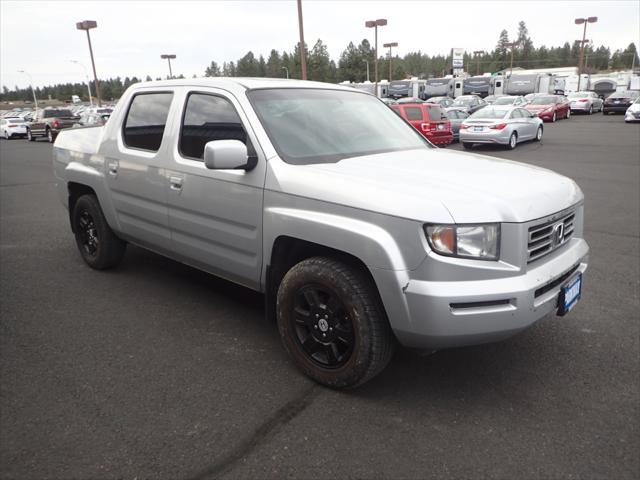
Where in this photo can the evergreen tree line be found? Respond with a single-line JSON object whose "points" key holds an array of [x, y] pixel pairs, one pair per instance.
{"points": [[352, 65]]}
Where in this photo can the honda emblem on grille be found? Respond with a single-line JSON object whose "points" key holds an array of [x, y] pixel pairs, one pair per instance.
{"points": [[557, 234]]}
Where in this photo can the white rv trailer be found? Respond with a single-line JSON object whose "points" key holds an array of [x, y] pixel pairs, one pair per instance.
{"points": [[412, 87]]}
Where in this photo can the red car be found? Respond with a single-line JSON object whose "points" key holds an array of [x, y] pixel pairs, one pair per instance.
{"points": [[428, 119], [550, 107]]}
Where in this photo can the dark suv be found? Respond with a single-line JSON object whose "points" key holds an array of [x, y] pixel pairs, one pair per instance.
{"points": [[618, 102], [48, 123]]}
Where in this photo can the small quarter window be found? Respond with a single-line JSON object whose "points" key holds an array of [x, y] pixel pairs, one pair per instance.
{"points": [[147, 116], [208, 118]]}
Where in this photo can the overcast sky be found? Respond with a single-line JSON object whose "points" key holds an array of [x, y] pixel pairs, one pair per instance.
{"points": [[41, 37]]}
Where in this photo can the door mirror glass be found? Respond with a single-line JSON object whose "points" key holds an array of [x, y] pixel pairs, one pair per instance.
{"points": [[226, 155]]}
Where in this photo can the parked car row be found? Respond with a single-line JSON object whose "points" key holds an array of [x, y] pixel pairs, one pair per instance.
{"points": [[48, 122]]}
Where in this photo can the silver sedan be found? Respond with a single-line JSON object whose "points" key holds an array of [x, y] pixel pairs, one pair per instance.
{"points": [[587, 102], [502, 125]]}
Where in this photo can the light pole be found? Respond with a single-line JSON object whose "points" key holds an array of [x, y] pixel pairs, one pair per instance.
{"points": [[286, 70], [580, 21], [511, 45], [389, 45], [87, 25], [381, 22], [303, 56], [366, 62], [35, 100], [478, 54], [86, 75], [168, 57]]}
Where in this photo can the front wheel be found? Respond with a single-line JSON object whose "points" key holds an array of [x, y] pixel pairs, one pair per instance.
{"points": [[30, 137], [591, 110], [50, 136], [6, 135], [568, 115], [539, 134], [554, 117], [99, 246], [332, 323], [513, 141]]}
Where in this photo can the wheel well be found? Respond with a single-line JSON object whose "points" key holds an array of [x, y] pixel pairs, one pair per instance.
{"points": [[76, 190], [289, 251]]}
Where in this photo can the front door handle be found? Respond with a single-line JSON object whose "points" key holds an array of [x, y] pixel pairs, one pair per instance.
{"points": [[175, 183], [113, 168]]}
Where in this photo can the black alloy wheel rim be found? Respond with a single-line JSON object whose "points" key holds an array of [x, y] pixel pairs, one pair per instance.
{"points": [[322, 326], [88, 233]]}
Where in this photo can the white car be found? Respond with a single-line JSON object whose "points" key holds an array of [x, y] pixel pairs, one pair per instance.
{"points": [[513, 100], [633, 112], [13, 127]]}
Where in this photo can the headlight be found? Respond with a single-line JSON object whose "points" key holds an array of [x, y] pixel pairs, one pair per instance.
{"points": [[466, 241]]}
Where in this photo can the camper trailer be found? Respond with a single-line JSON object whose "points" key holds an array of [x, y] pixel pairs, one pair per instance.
{"points": [[439, 87], [477, 86], [524, 84], [407, 88]]}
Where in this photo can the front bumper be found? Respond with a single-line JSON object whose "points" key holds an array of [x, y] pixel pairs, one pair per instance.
{"points": [[632, 117], [442, 314], [488, 136]]}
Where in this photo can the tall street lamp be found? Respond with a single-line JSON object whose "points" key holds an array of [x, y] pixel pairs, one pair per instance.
{"points": [[86, 75], [580, 21], [35, 100], [87, 25], [286, 70], [478, 54], [381, 22], [168, 57], [389, 45], [303, 53]]}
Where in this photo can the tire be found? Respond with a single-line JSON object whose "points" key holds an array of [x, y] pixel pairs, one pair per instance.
{"points": [[6, 135], [568, 115], [591, 110], [467, 145], [349, 344], [554, 117], [50, 137], [99, 247], [513, 141], [30, 137], [539, 134]]}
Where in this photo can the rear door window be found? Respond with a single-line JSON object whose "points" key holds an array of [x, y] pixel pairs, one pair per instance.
{"points": [[146, 119], [436, 113], [207, 118], [413, 113]]}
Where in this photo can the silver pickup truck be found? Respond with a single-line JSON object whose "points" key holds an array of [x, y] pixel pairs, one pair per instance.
{"points": [[358, 231]]}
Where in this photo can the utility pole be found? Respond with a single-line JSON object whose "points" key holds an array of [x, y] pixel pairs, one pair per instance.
{"points": [[35, 100], [389, 45], [303, 59], [478, 53], [381, 22], [580, 21], [511, 45], [87, 25], [366, 62]]}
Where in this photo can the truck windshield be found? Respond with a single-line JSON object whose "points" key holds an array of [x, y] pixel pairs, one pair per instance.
{"points": [[55, 113], [325, 126]]}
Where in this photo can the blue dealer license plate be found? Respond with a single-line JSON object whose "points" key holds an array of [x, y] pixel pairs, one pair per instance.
{"points": [[569, 295]]}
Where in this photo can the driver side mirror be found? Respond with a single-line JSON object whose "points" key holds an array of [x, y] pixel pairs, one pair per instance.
{"points": [[227, 155]]}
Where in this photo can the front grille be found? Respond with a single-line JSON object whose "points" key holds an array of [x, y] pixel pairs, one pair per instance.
{"points": [[546, 237], [551, 285]]}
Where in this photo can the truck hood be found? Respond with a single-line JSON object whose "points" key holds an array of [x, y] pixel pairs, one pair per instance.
{"points": [[432, 185]]}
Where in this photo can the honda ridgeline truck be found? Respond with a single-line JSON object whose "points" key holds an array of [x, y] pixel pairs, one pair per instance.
{"points": [[359, 232]]}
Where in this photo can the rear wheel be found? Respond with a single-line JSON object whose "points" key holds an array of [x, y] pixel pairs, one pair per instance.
{"points": [[99, 246], [467, 145], [332, 323], [513, 141]]}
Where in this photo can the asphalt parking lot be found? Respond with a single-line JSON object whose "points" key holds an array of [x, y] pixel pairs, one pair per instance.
{"points": [[156, 370]]}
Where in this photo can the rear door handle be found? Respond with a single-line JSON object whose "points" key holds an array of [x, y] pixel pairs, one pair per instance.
{"points": [[113, 168], [175, 183]]}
